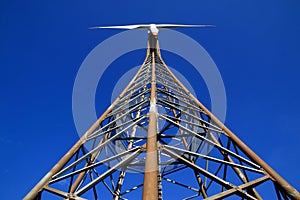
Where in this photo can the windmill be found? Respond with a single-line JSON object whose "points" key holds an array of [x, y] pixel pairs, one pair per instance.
{"points": [[156, 140]]}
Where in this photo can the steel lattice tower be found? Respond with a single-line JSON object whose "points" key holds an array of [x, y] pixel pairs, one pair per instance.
{"points": [[157, 139]]}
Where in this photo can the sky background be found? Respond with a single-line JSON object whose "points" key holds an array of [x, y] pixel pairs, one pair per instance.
{"points": [[255, 45]]}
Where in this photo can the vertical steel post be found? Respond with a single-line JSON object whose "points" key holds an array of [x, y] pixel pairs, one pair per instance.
{"points": [[150, 189]]}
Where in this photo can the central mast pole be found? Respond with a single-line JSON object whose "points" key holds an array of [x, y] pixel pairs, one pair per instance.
{"points": [[150, 189]]}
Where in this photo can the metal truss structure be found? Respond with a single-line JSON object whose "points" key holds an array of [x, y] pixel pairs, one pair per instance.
{"points": [[158, 141]]}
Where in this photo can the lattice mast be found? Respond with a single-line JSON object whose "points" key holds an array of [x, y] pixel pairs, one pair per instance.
{"points": [[155, 139]]}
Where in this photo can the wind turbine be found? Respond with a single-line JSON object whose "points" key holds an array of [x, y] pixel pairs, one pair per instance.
{"points": [[154, 86], [153, 28]]}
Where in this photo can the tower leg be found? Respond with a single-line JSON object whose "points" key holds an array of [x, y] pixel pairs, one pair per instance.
{"points": [[150, 189]]}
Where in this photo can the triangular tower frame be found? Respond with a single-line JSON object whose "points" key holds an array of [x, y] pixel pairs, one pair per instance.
{"points": [[156, 128]]}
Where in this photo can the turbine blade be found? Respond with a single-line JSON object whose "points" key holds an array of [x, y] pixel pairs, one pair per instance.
{"points": [[160, 26], [128, 27], [147, 26]]}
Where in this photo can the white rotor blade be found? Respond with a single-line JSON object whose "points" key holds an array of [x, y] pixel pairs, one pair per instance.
{"points": [[129, 27], [147, 26], [183, 26]]}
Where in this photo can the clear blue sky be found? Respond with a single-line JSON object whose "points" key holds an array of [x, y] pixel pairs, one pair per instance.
{"points": [[256, 47]]}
